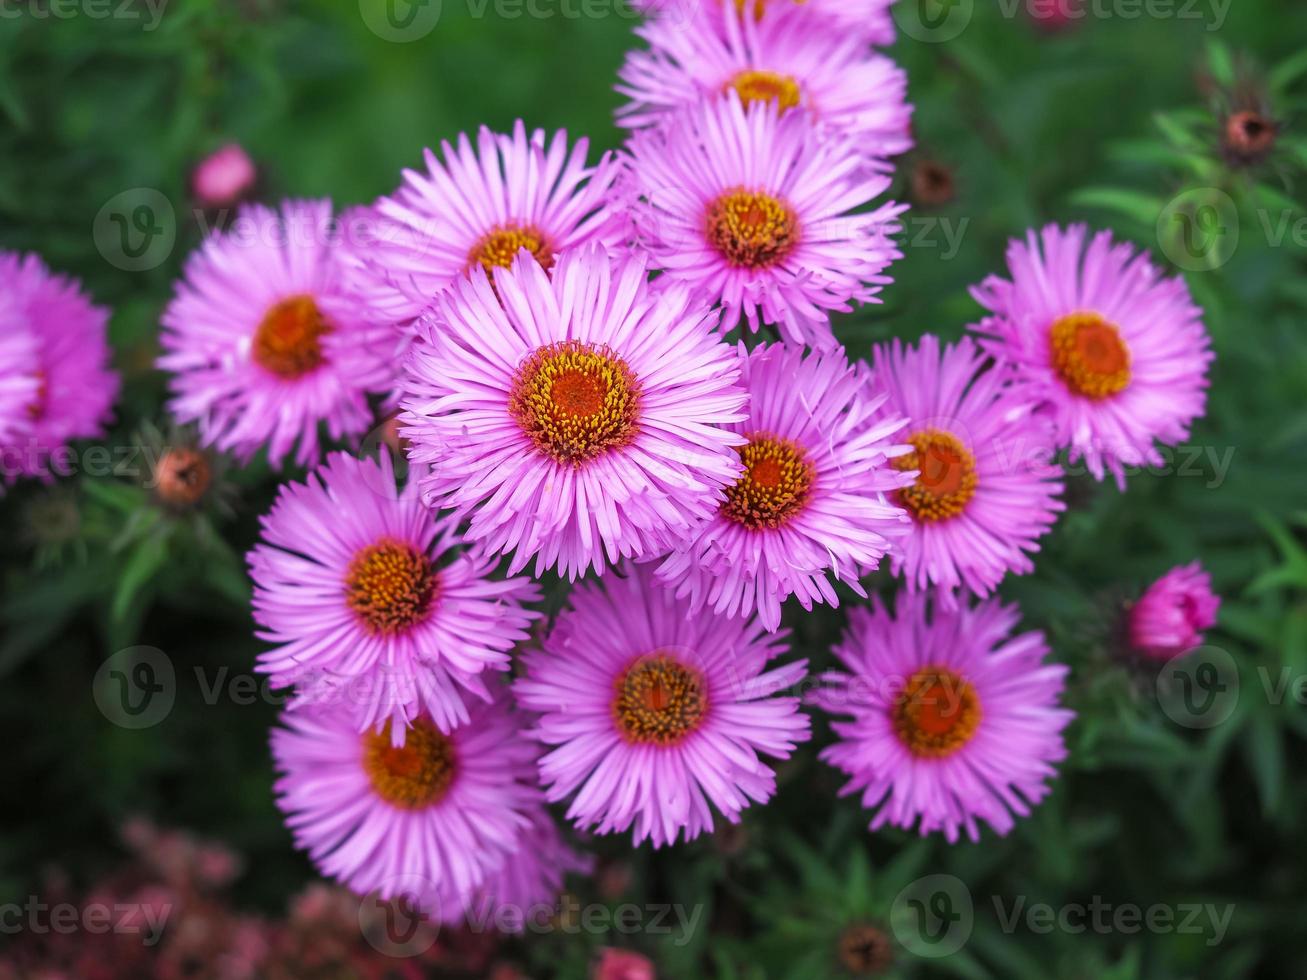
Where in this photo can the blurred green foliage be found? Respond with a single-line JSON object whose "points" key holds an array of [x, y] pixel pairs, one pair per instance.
{"points": [[1110, 121]]}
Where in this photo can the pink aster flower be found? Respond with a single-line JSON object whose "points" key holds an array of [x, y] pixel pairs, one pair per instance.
{"points": [[790, 58], [431, 820], [622, 964], [224, 177], [524, 891], [20, 381], [985, 491], [752, 209], [373, 602], [953, 719], [74, 386], [1169, 618], [869, 21], [654, 713], [812, 501], [264, 340], [1112, 351], [479, 208], [579, 420]]}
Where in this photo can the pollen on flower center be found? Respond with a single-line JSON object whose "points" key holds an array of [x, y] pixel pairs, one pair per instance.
{"points": [[497, 249], [756, 85], [288, 341], [775, 485], [936, 713], [414, 775], [575, 401], [390, 585], [659, 701], [1089, 355], [751, 229], [947, 478]]}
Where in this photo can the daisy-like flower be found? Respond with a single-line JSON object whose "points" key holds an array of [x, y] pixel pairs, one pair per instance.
{"points": [[1115, 353], [953, 720], [654, 713], [985, 490], [752, 209], [479, 208], [56, 355], [524, 891], [579, 419], [431, 820], [1169, 618], [374, 605], [790, 58], [812, 500], [867, 20], [265, 341]]}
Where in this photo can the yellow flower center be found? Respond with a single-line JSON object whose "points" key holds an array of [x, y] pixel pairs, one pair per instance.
{"points": [[415, 775], [288, 342], [575, 401], [497, 249], [775, 485], [936, 713], [755, 85], [947, 478], [751, 229], [390, 586], [659, 701], [1089, 355]]}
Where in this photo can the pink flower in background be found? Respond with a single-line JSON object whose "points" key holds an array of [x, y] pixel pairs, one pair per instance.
{"points": [[952, 720], [1114, 353], [478, 208], [656, 716], [622, 964], [430, 820], [576, 418], [375, 606], [750, 208], [813, 498], [224, 177], [264, 341], [56, 384], [1169, 618], [985, 491], [1056, 15], [791, 58], [868, 21]]}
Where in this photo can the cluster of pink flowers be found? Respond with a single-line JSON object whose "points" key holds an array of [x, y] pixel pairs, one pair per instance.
{"points": [[553, 334]]}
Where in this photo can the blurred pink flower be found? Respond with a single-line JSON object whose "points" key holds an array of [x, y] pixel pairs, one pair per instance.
{"points": [[622, 964], [224, 177], [1169, 618]]}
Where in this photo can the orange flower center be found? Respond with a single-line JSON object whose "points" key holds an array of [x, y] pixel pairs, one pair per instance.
{"points": [[415, 775], [659, 701], [575, 401], [947, 477], [390, 586], [751, 229], [1089, 355], [776, 482], [497, 249], [936, 713], [288, 342], [182, 476], [755, 85]]}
